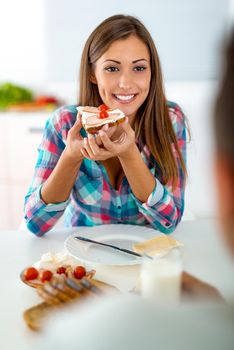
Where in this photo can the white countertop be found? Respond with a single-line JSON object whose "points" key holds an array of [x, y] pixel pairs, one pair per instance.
{"points": [[205, 257]]}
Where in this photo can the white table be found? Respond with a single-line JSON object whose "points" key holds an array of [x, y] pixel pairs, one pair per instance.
{"points": [[205, 257]]}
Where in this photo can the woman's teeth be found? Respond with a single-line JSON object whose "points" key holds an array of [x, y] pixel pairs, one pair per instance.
{"points": [[124, 97]]}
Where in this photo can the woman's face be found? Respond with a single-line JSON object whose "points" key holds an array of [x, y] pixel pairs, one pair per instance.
{"points": [[123, 75]]}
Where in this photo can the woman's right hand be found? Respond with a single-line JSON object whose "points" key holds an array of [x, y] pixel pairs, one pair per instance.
{"points": [[75, 141]]}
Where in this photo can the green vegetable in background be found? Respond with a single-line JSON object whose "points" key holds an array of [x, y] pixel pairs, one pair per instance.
{"points": [[11, 94]]}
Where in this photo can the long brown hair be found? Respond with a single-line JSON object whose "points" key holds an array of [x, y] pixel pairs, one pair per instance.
{"points": [[153, 125]]}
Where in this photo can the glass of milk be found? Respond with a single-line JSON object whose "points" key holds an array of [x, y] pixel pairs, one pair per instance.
{"points": [[160, 277]]}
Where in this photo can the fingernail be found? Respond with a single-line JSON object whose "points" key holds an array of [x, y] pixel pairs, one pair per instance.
{"points": [[101, 133]]}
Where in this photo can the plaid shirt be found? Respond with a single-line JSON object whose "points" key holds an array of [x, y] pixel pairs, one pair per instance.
{"points": [[93, 200]]}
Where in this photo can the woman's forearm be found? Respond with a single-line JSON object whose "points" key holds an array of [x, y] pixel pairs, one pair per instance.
{"points": [[58, 186], [140, 179]]}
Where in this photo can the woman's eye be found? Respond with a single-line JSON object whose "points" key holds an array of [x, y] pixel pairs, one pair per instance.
{"points": [[139, 68], [111, 69]]}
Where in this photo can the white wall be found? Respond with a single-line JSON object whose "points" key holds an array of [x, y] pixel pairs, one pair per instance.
{"points": [[186, 33], [197, 100], [42, 40], [22, 55]]}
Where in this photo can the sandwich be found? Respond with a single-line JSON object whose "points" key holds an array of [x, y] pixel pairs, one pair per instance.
{"points": [[94, 118]]}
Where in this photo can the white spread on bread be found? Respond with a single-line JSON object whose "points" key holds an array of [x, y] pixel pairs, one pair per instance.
{"points": [[90, 116]]}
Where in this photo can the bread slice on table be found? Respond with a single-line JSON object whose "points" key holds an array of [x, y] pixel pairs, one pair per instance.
{"points": [[156, 245], [91, 121]]}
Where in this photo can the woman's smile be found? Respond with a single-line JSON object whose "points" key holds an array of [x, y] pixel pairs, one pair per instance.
{"points": [[125, 98]]}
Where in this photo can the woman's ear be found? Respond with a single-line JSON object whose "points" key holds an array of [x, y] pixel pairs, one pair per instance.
{"points": [[93, 78]]}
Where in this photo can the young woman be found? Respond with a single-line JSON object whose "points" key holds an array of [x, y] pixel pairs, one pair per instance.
{"points": [[133, 173]]}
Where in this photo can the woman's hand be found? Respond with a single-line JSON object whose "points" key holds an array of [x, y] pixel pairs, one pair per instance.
{"points": [[75, 141], [195, 289], [109, 131], [122, 147]]}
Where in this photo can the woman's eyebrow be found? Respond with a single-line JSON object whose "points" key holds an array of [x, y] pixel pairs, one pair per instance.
{"points": [[140, 59], [118, 62], [110, 60]]}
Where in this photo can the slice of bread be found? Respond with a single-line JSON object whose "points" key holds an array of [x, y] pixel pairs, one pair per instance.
{"points": [[92, 122], [156, 245]]}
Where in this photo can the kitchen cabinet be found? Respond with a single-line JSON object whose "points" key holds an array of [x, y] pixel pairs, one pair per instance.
{"points": [[20, 135]]}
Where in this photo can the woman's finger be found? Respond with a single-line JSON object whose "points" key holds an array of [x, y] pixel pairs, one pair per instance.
{"points": [[75, 129], [84, 153], [111, 130], [127, 127], [107, 143], [122, 138], [93, 145], [88, 148], [105, 127], [104, 154]]}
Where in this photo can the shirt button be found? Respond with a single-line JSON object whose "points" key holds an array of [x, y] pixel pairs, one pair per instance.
{"points": [[167, 224], [119, 207]]}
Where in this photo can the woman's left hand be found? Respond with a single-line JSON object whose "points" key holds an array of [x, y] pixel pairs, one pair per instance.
{"points": [[122, 147]]}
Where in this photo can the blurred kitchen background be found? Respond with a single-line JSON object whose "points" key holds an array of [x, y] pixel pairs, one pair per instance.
{"points": [[40, 49]]}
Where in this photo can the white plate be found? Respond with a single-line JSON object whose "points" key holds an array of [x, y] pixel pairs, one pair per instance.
{"points": [[123, 236]]}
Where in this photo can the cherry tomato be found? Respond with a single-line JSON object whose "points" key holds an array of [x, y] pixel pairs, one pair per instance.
{"points": [[79, 272], [30, 273], [61, 270], [103, 114], [103, 107], [45, 275]]}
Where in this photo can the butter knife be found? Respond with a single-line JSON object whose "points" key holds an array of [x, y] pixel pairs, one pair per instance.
{"points": [[85, 239]]}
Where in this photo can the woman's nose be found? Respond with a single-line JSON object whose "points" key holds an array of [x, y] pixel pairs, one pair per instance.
{"points": [[125, 81]]}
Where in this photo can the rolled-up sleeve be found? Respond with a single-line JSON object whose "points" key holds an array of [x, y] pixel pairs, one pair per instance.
{"points": [[165, 205], [39, 216]]}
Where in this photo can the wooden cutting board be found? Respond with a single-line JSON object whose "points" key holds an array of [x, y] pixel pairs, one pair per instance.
{"points": [[36, 316]]}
